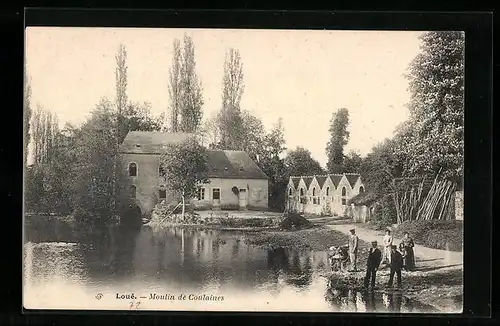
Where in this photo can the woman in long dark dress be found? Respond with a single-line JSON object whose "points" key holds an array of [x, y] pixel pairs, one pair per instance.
{"points": [[409, 257]]}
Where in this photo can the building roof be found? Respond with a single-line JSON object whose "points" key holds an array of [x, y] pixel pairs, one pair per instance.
{"points": [[352, 178], [307, 181], [222, 164], [335, 179], [150, 142], [233, 165], [364, 198], [321, 179], [295, 181]]}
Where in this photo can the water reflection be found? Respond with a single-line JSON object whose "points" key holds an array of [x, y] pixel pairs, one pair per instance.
{"points": [[368, 301], [183, 260]]}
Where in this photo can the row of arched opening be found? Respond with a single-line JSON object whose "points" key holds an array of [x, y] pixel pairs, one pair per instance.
{"points": [[344, 193]]}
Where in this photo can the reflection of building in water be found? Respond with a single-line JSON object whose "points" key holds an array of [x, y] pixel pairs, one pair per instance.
{"points": [[207, 256]]}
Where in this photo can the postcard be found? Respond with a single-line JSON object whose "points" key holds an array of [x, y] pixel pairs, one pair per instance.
{"points": [[243, 170]]}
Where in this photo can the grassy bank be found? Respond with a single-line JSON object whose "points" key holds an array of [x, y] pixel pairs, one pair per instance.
{"points": [[316, 238], [437, 234]]}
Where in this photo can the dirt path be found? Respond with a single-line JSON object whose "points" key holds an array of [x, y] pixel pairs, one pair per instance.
{"points": [[427, 259]]}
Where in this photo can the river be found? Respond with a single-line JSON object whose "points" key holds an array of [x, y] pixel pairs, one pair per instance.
{"points": [[180, 269]]}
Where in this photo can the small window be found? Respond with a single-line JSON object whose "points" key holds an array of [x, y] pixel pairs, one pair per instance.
{"points": [[216, 194], [162, 194], [344, 202], [343, 191], [133, 191], [132, 169], [137, 145], [290, 192], [201, 193], [328, 191], [302, 191], [314, 191], [361, 189]]}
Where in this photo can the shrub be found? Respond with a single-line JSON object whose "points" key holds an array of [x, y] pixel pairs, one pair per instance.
{"points": [[295, 221], [438, 234]]}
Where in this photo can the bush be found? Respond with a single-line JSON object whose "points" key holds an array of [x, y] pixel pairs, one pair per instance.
{"points": [[295, 221], [437, 234]]}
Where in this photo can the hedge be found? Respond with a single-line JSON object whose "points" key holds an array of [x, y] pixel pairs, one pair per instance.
{"points": [[437, 234]]}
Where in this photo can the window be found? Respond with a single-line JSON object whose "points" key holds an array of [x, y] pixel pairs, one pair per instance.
{"points": [[132, 169], [132, 190], [162, 194], [302, 191], [201, 193], [343, 191], [314, 191], [344, 202], [361, 189], [328, 191], [290, 192], [216, 194]]}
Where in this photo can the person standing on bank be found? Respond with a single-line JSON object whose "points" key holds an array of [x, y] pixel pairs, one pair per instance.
{"points": [[409, 259], [396, 266], [353, 249], [387, 246], [372, 264]]}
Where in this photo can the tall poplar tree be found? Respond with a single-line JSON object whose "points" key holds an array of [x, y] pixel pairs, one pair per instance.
{"points": [[174, 87], [230, 119], [27, 115], [121, 99], [191, 100], [339, 136]]}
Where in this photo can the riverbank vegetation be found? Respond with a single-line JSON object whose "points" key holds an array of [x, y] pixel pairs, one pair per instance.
{"points": [[437, 234], [315, 238]]}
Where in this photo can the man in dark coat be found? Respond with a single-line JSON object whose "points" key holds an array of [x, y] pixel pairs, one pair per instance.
{"points": [[372, 264], [396, 266]]}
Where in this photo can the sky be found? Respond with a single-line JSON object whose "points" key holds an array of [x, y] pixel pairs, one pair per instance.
{"points": [[302, 76]]}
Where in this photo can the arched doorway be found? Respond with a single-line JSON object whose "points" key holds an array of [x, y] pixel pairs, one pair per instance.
{"points": [[132, 216]]}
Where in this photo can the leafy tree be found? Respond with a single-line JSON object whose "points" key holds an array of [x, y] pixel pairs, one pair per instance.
{"points": [[436, 79], [299, 162], [95, 166], [352, 162], [380, 167], [339, 136], [191, 99], [185, 167], [271, 162], [211, 132], [230, 118], [254, 141], [138, 117]]}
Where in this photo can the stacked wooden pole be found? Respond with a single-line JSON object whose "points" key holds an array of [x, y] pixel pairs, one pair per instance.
{"points": [[438, 203]]}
